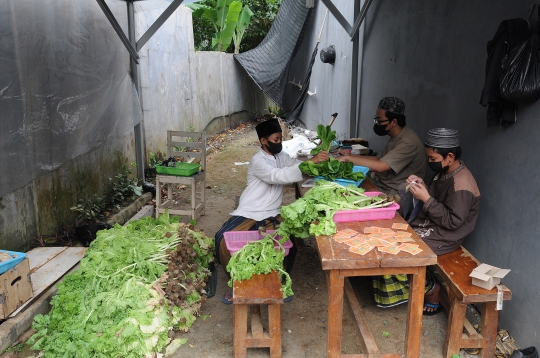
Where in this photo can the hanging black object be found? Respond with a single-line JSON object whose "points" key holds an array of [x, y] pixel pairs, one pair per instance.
{"points": [[328, 55], [520, 75], [268, 64]]}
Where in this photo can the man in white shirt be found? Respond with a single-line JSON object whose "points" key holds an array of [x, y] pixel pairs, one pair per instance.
{"points": [[269, 169]]}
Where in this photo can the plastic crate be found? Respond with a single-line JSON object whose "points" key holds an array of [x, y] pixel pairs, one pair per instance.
{"points": [[346, 182], [235, 240], [181, 169], [386, 213], [17, 257]]}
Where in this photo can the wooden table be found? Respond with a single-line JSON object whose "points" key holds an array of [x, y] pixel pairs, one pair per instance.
{"points": [[340, 264]]}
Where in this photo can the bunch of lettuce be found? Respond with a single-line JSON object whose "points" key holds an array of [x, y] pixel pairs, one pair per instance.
{"points": [[313, 213], [113, 305], [332, 169], [260, 257]]}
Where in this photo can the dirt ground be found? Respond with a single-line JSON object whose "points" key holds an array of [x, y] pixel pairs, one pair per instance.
{"points": [[304, 319]]}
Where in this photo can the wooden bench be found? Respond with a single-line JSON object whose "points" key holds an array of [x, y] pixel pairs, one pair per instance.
{"points": [[258, 290], [455, 269]]}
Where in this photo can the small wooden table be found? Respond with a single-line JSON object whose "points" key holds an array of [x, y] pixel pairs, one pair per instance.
{"points": [[341, 263]]}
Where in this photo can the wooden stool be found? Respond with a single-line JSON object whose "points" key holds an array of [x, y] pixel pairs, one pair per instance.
{"points": [[455, 268], [258, 290]]}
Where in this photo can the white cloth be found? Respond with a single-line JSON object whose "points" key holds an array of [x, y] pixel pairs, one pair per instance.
{"points": [[267, 174], [298, 142]]}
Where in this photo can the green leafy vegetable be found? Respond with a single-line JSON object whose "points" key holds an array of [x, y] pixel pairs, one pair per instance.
{"points": [[313, 213], [260, 257], [113, 304], [332, 170], [327, 136]]}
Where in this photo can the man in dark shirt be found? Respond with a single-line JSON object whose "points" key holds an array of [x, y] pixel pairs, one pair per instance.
{"points": [[402, 156], [449, 213]]}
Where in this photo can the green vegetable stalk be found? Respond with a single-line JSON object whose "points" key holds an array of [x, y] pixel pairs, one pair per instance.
{"points": [[327, 136]]}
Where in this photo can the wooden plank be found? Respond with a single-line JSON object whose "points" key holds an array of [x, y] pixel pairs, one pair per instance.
{"points": [[52, 271], [41, 255], [368, 342], [467, 342], [336, 255], [455, 267], [259, 289], [488, 326], [256, 325], [454, 332], [335, 314], [471, 332], [413, 331], [240, 330], [274, 329]]}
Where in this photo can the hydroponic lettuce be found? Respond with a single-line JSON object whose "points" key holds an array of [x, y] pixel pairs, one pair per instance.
{"points": [[260, 257], [332, 169], [114, 305], [313, 213]]}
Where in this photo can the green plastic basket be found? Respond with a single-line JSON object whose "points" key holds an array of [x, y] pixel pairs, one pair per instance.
{"points": [[181, 169]]}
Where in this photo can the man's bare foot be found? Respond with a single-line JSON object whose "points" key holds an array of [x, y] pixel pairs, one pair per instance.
{"points": [[227, 298], [431, 301]]}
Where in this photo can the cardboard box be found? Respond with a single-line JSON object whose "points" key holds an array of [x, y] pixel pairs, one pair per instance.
{"points": [[15, 288], [487, 276]]}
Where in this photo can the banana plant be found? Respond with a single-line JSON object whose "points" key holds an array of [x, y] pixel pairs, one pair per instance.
{"points": [[243, 23], [229, 18]]}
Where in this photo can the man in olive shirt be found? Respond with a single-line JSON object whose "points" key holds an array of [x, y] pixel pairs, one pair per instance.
{"points": [[404, 154]]}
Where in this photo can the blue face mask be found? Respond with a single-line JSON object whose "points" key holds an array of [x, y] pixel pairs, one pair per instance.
{"points": [[274, 148]]}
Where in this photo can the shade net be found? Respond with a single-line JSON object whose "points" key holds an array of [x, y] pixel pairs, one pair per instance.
{"points": [[268, 64]]}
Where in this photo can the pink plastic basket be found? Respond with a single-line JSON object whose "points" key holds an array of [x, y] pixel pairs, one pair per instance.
{"points": [[235, 240], [367, 214]]}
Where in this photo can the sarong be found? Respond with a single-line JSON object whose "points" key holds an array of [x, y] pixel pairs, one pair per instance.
{"points": [[393, 290]]}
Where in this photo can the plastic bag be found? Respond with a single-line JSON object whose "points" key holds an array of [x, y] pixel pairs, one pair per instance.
{"points": [[520, 73], [409, 205]]}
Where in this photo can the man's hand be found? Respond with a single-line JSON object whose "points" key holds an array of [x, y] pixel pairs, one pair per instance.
{"points": [[419, 191], [322, 156], [413, 179], [344, 158]]}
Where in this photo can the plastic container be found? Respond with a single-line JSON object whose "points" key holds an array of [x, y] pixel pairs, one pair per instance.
{"points": [[346, 182], [17, 257], [235, 240], [181, 169], [386, 213]]}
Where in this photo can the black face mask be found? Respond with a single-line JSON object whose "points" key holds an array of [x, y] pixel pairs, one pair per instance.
{"points": [[380, 130], [274, 148], [438, 168]]}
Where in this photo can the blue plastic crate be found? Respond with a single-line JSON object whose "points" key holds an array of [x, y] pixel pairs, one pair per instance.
{"points": [[345, 182], [17, 258]]}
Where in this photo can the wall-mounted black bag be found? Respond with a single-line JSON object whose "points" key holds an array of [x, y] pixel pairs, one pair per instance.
{"points": [[520, 75]]}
